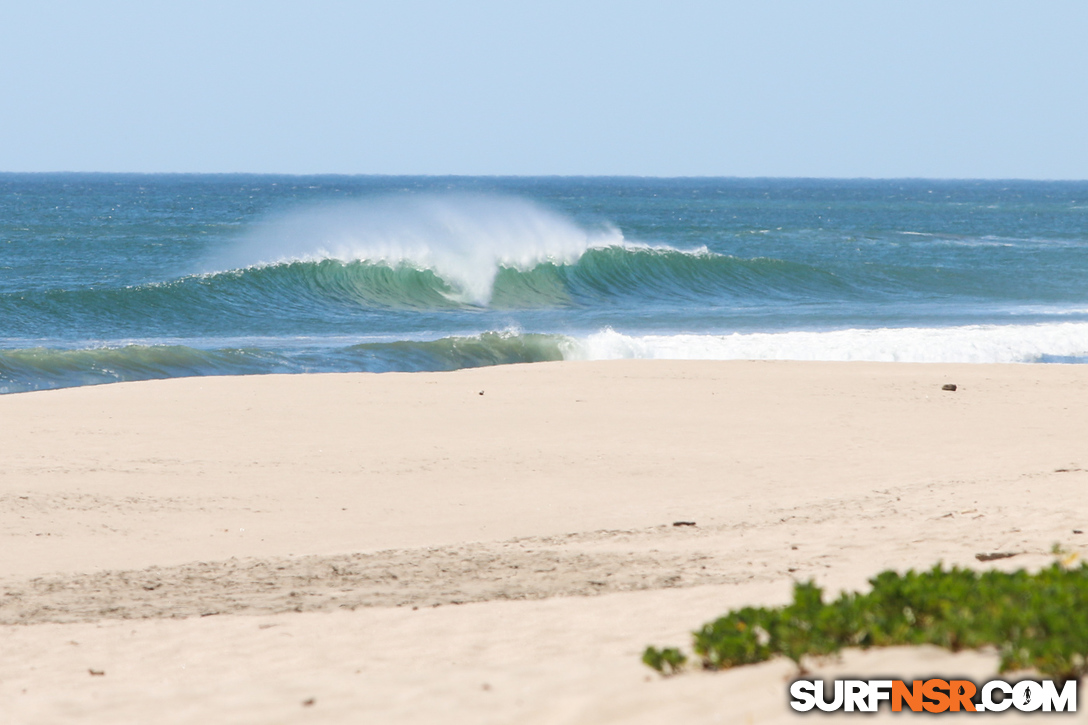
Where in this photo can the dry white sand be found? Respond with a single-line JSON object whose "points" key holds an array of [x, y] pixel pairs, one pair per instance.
{"points": [[401, 548]]}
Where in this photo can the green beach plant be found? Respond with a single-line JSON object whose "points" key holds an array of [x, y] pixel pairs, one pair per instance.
{"points": [[1035, 621], [666, 661]]}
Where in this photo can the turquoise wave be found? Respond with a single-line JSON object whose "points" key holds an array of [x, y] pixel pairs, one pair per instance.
{"points": [[605, 277], [599, 275], [24, 370]]}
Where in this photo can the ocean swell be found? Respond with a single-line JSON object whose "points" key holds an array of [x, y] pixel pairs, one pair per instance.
{"points": [[27, 369]]}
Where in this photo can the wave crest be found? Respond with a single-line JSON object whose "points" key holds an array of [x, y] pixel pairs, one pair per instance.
{"points": [[602, 275], [465, 240]]}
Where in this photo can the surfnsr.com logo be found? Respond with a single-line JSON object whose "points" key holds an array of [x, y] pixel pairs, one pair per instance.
{"points": [[934, 695]]}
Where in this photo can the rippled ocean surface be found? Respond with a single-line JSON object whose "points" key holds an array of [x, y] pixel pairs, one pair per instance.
{"points": [[109, 277]]}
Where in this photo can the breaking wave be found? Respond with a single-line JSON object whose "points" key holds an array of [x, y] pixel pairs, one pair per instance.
{"points": [[1047, 342], [43, 368]]}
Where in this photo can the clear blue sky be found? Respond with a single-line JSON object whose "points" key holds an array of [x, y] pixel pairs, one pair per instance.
{"points": [[986, 89]]}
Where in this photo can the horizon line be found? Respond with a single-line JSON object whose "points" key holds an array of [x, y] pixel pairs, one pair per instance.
{"points": [[548, 176]]}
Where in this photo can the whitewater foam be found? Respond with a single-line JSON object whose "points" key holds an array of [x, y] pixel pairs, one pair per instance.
{"points": [[966, 344]]}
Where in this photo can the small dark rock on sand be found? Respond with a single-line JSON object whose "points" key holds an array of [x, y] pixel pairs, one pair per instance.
{"points": [[949, 386], [996, 555], [683, 523]]}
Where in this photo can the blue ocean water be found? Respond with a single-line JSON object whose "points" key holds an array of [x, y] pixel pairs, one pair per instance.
{"points": [[108, 277]]}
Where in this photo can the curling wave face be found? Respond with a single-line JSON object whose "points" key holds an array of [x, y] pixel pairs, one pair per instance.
{"points": [[473, 251], [464, 240], [596, 275], [331, 296]]}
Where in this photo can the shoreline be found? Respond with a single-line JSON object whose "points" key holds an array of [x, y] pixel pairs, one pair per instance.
{"points": [[487, 533]]}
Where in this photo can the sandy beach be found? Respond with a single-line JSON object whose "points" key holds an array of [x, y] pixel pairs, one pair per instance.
{"points": [[497, 545]]}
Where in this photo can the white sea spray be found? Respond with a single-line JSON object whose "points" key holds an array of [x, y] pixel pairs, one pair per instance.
{"points": [[464, 239]]}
